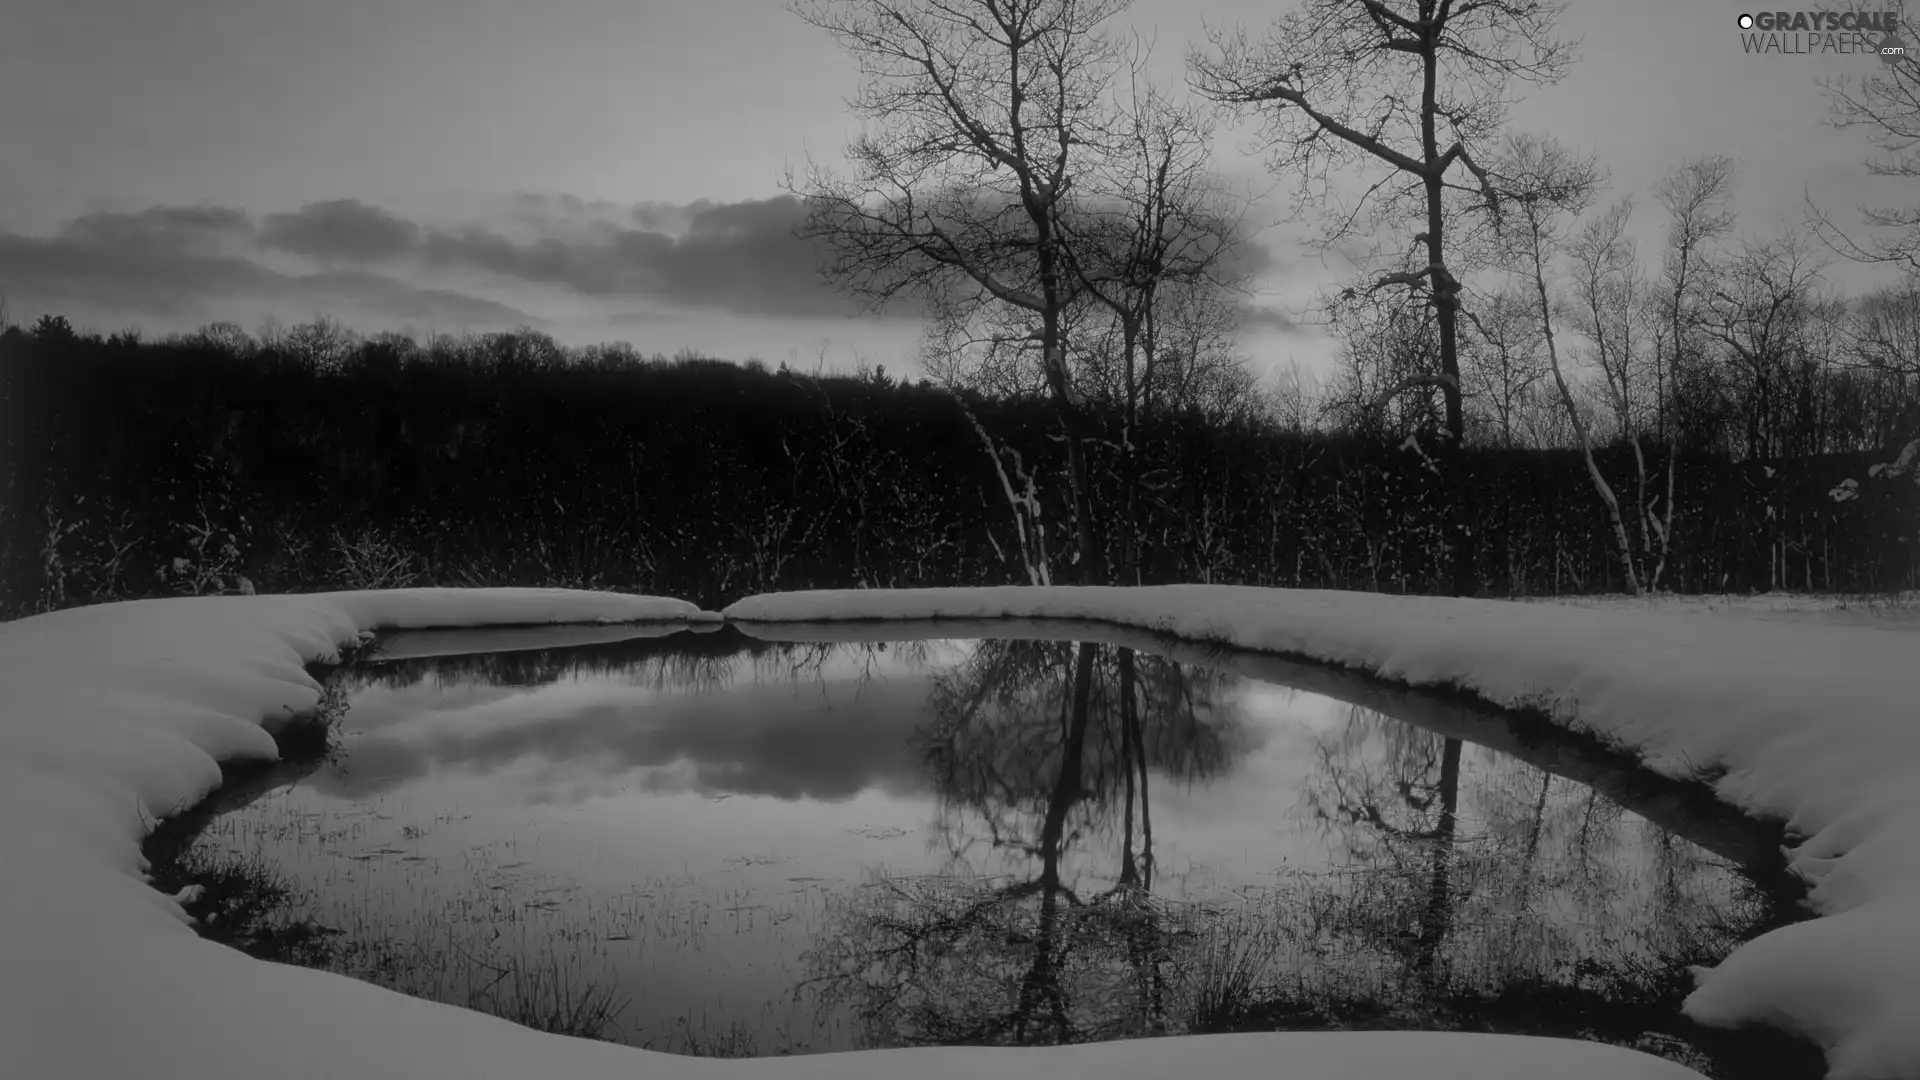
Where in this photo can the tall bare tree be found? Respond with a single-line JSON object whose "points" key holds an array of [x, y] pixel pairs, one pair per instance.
{"points": [[1775, 329], [982, 115], [1886, 104], [1417, 86], [1613, 309], [1547, 185], [1883, 352], [1154, 220], [1695, 196], [1766, 314]]}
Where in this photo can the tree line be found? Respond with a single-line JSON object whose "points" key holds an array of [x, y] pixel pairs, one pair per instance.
{"points": [[218, 462]]}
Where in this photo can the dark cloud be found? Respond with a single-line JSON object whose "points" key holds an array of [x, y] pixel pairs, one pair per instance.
{"points": [[343, 230], [142, 272], [161, 229], [740, 257], [1248, 260], [180, 262]]}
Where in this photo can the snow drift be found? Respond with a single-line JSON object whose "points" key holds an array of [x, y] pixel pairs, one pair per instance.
{"points": [[115, 715]]}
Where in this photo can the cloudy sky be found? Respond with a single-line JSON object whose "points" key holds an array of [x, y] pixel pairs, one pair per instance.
{"points": [[610, 169]]}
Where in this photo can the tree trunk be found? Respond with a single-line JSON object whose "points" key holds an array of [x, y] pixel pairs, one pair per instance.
{"points": [[1446, 301], [1073, 424], [1129, 749], [1600, 485], [1437, 919]]}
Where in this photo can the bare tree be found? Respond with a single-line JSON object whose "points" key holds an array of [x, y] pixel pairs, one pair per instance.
{"points": [[1887, 104], [1029, 521], [1773, 328], [1765, 315], [1882, 356], [321, 344], [1547, 185], [982, 115], [1886, 330], [1502, 365], [1418, 86], [1153, 220], [1385, 344], [227, 337], [1292, 397], [1198, 363], [1695, 197], [1612, 306]]}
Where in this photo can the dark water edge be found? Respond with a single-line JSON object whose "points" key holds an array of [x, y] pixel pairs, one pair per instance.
{"points": [[239, 896]]}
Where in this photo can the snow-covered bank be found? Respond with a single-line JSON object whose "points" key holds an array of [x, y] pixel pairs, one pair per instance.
{"points": [[111, 715], [1814, 719]]}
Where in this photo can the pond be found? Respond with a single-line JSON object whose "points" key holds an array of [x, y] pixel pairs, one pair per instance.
{"points": [[710, 843]]}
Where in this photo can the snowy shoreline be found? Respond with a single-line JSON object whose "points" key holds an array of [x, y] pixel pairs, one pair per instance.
{"points": [[120, 713], [1807, 709]]}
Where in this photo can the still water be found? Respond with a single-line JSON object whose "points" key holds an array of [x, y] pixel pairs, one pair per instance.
{"points": [[713, 844]]}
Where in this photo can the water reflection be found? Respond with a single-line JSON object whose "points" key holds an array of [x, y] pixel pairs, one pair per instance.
{"points": [[717, 845]]}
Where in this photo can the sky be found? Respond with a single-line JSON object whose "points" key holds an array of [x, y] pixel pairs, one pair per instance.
{"points": [[611, 169]]}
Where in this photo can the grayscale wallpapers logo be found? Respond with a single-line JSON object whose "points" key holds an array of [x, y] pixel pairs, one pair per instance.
{"points": [[1875, 33]]}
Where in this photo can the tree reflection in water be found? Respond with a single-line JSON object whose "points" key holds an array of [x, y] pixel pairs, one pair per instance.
{"points": [[1468, 890], [1037, 749]]}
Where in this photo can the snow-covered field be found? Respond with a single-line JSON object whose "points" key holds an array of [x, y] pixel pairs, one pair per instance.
{"points": [[113, 715]]}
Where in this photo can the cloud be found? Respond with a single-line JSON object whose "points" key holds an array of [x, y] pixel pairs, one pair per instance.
{"points": [[343, 230], [174, 263], [1247, 260], [161, 229], [542, 215], [142, 272], [1267, 317], [741, 257], [667, 217], [549, 204], [392, 298], [607, 262], [738, 257]]}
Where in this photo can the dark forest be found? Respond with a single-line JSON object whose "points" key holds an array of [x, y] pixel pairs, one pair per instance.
{"points": [[217, 463]]}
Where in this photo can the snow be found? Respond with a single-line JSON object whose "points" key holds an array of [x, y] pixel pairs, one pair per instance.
{"points": [[114, 715]]}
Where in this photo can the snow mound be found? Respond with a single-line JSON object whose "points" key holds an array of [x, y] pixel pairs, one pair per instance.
{"points": [[113, 716]]}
